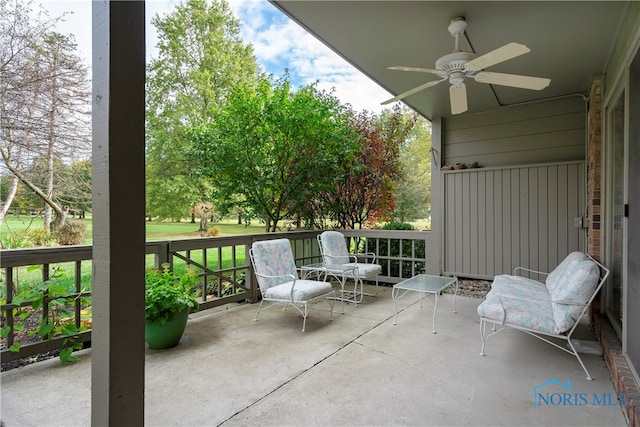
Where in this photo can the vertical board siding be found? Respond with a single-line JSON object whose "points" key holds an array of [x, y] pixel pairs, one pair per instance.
{"points": [[502, 218], [544, 132]]}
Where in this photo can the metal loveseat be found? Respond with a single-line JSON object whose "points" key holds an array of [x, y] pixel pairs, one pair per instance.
{"points": [[550, 309]]}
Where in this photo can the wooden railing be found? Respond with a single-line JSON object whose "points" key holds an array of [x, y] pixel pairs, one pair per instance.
{"points": [[222, 262]]}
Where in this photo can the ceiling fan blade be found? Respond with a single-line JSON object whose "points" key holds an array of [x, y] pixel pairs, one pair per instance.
{"points": [[513, 80], [417, 69], [458, 98], [501, 54], [412, 91]]}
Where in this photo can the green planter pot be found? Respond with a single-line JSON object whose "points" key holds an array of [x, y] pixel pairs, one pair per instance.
{"points": [[167, 335]]}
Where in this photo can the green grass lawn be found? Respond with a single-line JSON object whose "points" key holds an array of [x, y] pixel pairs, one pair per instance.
{"points": [[155, 230]]}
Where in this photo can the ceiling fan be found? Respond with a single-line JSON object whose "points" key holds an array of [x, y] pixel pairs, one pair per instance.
{"points": [[460, 64]]}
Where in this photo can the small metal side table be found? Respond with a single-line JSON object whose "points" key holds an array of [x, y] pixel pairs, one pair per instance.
{"points": [[341, 273], [424, 284]]}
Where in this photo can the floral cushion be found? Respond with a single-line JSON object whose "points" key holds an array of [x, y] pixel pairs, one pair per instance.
{"points": [[519, 286], [528, 313], [570, 296], [273, 258], [364, 270], [334, 248], [564, 269], [303, 290]]}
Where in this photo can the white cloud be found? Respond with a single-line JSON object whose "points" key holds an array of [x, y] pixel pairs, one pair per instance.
{"points": [[278, 42]]}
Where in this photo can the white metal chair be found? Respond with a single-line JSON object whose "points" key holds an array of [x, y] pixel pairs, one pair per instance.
{"points": [[279, 282], [341, 264]]}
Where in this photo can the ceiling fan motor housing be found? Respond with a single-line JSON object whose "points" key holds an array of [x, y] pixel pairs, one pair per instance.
{"points": [[455, 61]]}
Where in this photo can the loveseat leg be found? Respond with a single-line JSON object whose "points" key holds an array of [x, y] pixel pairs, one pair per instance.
{"points": [[483, 330], [575, 353]]}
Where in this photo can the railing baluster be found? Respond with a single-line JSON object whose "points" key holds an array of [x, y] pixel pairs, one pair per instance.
{"points": [[78, 300], [205, 276], [219, 282], [9, 286], [45, 300]]}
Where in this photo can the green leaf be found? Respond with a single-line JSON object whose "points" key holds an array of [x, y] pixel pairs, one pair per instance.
{"points": [[69, 329], [15, 347], [45, 329], [67, 356], [4, 332]]}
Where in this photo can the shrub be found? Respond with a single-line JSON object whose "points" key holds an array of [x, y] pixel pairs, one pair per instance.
{"points": [[398, 226], [72, 233], [39, 237], [212, 231], [393, 267], [27, 239]]}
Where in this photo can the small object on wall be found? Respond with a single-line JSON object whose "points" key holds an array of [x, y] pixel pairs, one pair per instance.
{"points": [[473, 165], [460, 166], [446, 168]]}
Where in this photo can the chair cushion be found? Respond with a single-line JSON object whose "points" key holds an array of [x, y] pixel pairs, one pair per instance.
{"points": [[532, 313], [366, 270], [304, 290], [579, 284], [564, 269], [273, 258], [518, 286], [334, 247], [569, 298]]}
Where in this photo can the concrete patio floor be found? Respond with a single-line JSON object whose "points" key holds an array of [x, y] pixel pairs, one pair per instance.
{"points": [[358, 369]]}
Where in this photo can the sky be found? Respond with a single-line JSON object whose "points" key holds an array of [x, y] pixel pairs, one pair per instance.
{"points": [[278, 42]]}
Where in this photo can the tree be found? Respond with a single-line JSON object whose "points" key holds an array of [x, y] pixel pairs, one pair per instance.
{"points": [[201, 57], [366, 195], [413, 193], [275, 148], [44, 103]]}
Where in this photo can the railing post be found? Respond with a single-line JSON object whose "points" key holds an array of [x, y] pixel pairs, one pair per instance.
{"points": [[251, 281], [163, 254]]}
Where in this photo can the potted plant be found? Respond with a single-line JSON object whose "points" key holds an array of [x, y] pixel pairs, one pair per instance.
{"points": [[168, 300]]}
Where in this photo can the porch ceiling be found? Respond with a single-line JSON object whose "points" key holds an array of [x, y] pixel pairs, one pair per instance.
{"points": [[570, 43]]}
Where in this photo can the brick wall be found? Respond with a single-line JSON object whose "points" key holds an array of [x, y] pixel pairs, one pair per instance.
{"points": [[594, 170], [621, 375]]}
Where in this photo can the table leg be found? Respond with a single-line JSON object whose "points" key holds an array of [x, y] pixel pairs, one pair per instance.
{"points": [[455, 292], [395, 307], [435, 310]]}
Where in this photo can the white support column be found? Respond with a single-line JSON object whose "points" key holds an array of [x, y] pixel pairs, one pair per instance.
{"points": [[117, 389], [436, 244]]}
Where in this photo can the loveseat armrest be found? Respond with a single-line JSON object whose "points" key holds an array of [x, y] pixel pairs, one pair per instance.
{"points": [[528, 270]]}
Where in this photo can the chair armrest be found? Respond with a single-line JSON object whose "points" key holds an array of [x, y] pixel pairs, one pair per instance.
{"points": [[367, 256], [518, 269], [352, 258]]}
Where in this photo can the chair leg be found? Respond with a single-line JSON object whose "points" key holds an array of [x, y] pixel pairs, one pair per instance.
{"points": [[258, 312], [331, 301], [305, 314]]}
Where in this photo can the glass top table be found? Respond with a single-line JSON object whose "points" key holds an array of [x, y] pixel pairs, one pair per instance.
{"points": [[424, 284]]}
